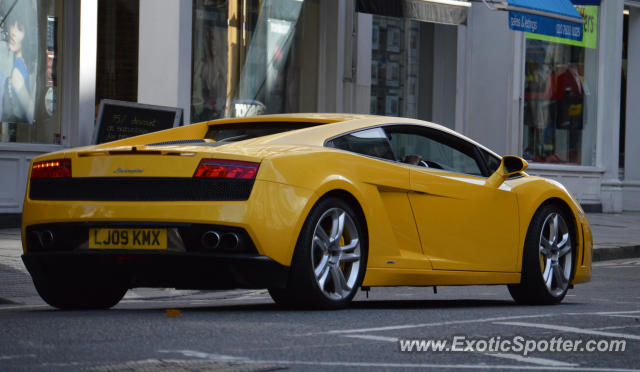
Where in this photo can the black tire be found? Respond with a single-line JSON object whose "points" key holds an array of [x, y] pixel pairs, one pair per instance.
{"points": [[339, 260], [548, 258], [79, 295]]}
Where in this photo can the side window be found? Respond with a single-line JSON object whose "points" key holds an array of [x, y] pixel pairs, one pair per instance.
{"points": [[433, 149], [492, 162], [370, 142]]}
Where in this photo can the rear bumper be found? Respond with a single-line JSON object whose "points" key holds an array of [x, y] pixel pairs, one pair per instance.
{"points": [[160, 269]]}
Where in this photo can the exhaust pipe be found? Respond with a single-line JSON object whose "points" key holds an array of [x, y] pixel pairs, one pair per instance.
{"points": [[47, 238], [210, 239], [230, 240]]}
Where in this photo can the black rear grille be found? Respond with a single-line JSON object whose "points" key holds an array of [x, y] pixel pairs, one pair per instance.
{"points": [[140, 189]]}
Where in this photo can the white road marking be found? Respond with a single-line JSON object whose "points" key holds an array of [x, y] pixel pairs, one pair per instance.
{"points": [[24, 307], [610, 301], [467, 321], [538, 361], [207, 356], [617, 327], [571, 329], [615, 312], [605, 312], [374, 338], [422, 325], [8, 357], [634, 262], [228, 358], [259, 293], [68, 364], [444, 366], [623, 316], [519, 358]]}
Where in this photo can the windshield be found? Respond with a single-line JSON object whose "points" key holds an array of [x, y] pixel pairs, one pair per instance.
{"points": [[242, 131]]}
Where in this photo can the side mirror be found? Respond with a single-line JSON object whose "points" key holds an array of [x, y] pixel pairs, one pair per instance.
{"points": [[513, 164], [509, 165]]}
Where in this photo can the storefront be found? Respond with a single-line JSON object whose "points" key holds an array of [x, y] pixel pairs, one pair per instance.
{"points": [[559, 103], [630, 112], [39, 70], [549, 89]]}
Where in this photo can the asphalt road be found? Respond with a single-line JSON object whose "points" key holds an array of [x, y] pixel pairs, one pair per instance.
{"points": [[245, 330]]}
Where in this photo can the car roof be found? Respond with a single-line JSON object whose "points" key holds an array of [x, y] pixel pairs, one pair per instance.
{"points": [[335, 124]]}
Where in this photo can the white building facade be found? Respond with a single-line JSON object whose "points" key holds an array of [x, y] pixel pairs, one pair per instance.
{"points": [[561, 105]]}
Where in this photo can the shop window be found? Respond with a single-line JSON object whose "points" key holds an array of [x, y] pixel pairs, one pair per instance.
{"points": [[30, 65], [248, 57], [117, 54], [560, 97]]}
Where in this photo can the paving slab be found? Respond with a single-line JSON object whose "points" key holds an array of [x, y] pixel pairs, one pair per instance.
{"points": [[615, 235]]}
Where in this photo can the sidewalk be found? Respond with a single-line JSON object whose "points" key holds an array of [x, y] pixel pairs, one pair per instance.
{"points": [[615, 236]]}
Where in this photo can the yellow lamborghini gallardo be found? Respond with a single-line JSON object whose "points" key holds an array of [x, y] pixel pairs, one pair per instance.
{"points": [[310, 206]]}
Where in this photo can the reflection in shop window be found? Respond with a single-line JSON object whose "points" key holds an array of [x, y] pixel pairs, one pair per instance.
{"points": [[394, 66], [28, 76], [560, 102], [247, 57]]}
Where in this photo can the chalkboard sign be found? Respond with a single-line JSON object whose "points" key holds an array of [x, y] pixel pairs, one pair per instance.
{"points": [[120, 119]]}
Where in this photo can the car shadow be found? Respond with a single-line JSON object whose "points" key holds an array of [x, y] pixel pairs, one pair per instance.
{"points": [[164, 306], [354, 306]]}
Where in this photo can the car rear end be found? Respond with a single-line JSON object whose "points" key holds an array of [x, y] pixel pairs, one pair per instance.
{"points": [[153, 216]]}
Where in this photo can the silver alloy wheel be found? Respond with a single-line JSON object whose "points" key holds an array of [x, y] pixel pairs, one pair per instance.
{"points": [[335, 253], [556, 258]]}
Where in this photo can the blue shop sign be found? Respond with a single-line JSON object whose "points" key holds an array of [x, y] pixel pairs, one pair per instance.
{"points": [[538, 24], [557, 18]]}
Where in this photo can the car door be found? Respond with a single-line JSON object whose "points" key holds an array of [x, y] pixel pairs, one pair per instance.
{"points": [[394, 239], [462, 224]]}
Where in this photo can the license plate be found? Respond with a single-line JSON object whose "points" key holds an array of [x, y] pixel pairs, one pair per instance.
{"points": [[127, 238]]}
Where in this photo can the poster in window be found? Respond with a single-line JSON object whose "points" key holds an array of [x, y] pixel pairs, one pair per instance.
{"points": [[374, 72], [375, 37], [18, 60], [52, 27], [393, 74], [414, 40], [392, 105], [374, 104], [393, 39]]}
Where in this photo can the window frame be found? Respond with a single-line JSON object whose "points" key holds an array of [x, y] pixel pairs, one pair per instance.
{"points": [[448, 139]]}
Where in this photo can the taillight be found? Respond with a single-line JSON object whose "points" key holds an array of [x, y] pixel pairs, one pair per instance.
{"points": [[218, 168], [59, 168]]}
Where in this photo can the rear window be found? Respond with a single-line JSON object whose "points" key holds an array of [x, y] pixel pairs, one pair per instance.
{"points": [[243, 131], [370, 142]]}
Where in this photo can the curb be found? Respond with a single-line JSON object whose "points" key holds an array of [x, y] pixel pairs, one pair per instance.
{"points": [[606, 254]]}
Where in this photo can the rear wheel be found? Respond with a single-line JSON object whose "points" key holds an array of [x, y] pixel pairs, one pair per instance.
{"points": [[547, 265], [79, 295], [329, 260]]}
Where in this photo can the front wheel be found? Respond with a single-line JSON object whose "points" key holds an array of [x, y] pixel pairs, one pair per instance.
{"points": [[547, 265], [329, 260]]}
